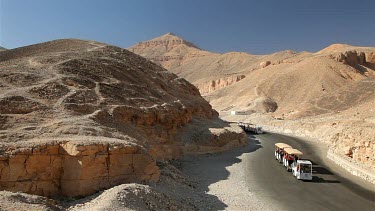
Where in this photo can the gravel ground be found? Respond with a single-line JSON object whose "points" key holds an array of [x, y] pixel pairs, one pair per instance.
{"points": [[222, 176]]}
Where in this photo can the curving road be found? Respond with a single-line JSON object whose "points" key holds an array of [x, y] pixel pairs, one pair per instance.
{"points": [[331, 188]]}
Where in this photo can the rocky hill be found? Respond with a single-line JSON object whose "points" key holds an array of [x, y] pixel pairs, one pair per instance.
{"points": [[2, 49], [331, 90], [80, 116], [206, 70]]}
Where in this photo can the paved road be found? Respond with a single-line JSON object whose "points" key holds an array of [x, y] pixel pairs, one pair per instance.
{"points": [[329, 190]]}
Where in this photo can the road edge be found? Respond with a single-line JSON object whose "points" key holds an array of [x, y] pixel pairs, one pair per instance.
{"points": [[350, 167]]}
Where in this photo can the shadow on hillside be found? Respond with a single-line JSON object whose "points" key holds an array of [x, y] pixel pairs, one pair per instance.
{"points": [[210, 168]]}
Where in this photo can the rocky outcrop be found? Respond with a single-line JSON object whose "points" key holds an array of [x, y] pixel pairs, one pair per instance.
{"points": [[208, 87], [74, 169], [351, 58], [265, 64], [370, 60], [262, 105], [79, 116], [357, 144]]}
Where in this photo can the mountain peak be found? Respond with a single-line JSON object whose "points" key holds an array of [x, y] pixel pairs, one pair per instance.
{"points": [[336, 47], [168, 41], [166, 37], [169, 33]]}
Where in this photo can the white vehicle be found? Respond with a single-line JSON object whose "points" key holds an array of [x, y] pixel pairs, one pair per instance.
{"points": [[279, 151], [302, 170], [247, 127]]}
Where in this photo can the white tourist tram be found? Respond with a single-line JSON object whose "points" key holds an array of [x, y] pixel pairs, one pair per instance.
{"points": [[291, 159], [279, 150]]}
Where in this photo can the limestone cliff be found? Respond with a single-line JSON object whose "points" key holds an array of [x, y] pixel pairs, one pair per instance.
{"points": [[213, 85]]}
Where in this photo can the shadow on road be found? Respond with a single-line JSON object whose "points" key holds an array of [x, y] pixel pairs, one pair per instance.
{"points": [[317, 179], [321, 170], [210, 168]]}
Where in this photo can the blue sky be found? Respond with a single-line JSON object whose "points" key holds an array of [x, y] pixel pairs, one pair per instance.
{"points": [[260, 27]]}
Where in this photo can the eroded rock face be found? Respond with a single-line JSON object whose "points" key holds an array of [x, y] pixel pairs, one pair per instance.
{"points": [[357, 144], [370, 60], [74, 169], [351, 58], [208, 87], [63, 103]]}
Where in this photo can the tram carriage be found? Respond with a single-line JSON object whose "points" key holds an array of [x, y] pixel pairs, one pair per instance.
{"points": [[279, 150], [291, 159], [290, 156]]}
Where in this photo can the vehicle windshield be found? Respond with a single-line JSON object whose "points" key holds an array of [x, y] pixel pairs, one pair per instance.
{"points": [[305, 168]]}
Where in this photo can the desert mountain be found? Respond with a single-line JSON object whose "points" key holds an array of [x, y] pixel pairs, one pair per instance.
{"points": [[299, 77], [2, 49], [331, 90], [208, 71], [80, 116]]}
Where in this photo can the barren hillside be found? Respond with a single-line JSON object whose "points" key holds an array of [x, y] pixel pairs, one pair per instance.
{"points": [[80, 116], [331, 90], [208, 71]]}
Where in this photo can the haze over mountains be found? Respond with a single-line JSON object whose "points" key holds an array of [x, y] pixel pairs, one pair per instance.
{"points": [[327, 92]]}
